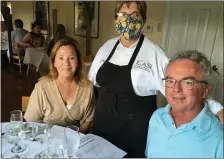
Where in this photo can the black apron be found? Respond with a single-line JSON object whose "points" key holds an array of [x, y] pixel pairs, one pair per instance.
{"points": [[121, 116]]}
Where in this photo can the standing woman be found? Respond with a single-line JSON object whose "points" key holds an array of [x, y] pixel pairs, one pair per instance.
{"points": [[128, 72]]}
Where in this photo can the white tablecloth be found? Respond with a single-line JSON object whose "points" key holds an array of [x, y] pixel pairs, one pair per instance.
{"points": [[33, 147], [36, 56]]}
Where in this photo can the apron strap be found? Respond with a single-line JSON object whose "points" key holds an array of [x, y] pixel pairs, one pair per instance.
{"points": [[138, 47], [112, 52]]}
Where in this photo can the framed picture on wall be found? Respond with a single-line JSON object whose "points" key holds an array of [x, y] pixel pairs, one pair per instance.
{"points": [[81, 8], [41, 15]]}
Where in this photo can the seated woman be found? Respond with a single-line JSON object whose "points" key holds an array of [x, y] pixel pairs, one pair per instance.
{"points": [[34, 38], [65, 96], [60, 34]]}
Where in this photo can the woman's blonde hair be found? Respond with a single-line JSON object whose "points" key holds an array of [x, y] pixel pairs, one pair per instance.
{"points": [[80, 74]]}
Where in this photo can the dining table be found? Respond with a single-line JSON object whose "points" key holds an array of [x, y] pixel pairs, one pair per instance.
{"points": [[32, 147], [90, 145], [37, 57]]}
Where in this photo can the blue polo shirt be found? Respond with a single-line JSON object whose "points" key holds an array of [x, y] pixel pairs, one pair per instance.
{"points": [[200, 138]]}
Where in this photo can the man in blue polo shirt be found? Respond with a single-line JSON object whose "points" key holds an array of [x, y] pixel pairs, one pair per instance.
{"points": [[18, 33], [185, 128]]}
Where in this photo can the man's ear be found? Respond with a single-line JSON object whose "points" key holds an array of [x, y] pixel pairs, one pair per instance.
{"points": [[207, 89]]}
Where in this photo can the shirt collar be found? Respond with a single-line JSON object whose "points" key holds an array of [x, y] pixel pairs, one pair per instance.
{"points": [[133, 46], [202, 120], [19, 28], [166, 110]]}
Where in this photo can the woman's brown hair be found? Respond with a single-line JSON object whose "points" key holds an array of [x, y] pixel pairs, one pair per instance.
{"points": [[142, 7]]}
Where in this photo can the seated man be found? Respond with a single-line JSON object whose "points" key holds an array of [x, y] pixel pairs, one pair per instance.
{"points": [[18, 33], [186, 127]]}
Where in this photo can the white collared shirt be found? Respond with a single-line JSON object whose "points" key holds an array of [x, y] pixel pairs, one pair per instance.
{"points": [[147, 70]]}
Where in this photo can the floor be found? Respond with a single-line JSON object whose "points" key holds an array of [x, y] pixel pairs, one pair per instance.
{"points": [[13, 86]]}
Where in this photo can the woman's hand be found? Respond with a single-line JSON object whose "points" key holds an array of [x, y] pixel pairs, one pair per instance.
{"points": [[220, 115]]}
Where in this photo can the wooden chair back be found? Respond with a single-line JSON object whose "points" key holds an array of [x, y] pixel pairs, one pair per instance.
{"points": [[25, 101]]}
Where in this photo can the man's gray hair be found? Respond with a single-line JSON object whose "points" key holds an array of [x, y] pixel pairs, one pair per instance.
{"points": [[195, 56]]}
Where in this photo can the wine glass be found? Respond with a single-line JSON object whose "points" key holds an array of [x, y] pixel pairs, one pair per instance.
{"points": [[41, 133], [14, 138], [72, 140], [16, 121]]}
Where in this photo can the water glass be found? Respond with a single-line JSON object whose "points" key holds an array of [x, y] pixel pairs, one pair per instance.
{"points": [[41, 132], [72, 140], [16, 119], [55, 151]]}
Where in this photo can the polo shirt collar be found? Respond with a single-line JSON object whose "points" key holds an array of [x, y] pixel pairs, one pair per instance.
{"points": [[202, 120]]}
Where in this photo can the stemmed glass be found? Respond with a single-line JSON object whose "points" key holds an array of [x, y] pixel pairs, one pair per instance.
{"points": [[56, 145], [72, 140], [15, 132], [41, 132], [54, 151]]}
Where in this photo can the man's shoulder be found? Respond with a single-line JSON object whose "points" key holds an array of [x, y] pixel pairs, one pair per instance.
{"points": [[216, 128], [12, 32], [159, 112]]}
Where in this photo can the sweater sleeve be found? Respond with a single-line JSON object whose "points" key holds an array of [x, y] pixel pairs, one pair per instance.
{"points": [[90, 108], [34, 111]]}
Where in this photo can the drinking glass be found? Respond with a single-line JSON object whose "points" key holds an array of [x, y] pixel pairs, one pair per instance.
{"points": [[16, 119], [41, 133], [72, 140], [14, 138], [54, 151]]}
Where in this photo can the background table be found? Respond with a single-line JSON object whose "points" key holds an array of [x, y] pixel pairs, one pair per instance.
{"points": [[36, 56]]}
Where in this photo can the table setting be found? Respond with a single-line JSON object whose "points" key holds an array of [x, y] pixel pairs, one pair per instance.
{"points": [[37, 139], [43, 140]]}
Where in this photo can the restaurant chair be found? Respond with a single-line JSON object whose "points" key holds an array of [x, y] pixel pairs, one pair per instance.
{"points": [[18, 54], [88, 62], [88, 58], [25, 101]]}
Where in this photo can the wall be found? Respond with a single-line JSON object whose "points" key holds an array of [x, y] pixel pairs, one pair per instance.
{"points": [[24, 11], [65, 12]]}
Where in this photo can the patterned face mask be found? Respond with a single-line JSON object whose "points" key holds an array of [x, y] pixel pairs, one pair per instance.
{"points": [[129, 28]]}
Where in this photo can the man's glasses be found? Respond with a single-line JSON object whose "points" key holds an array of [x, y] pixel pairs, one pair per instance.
{"points": [[184, 83], [135, 15]]}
